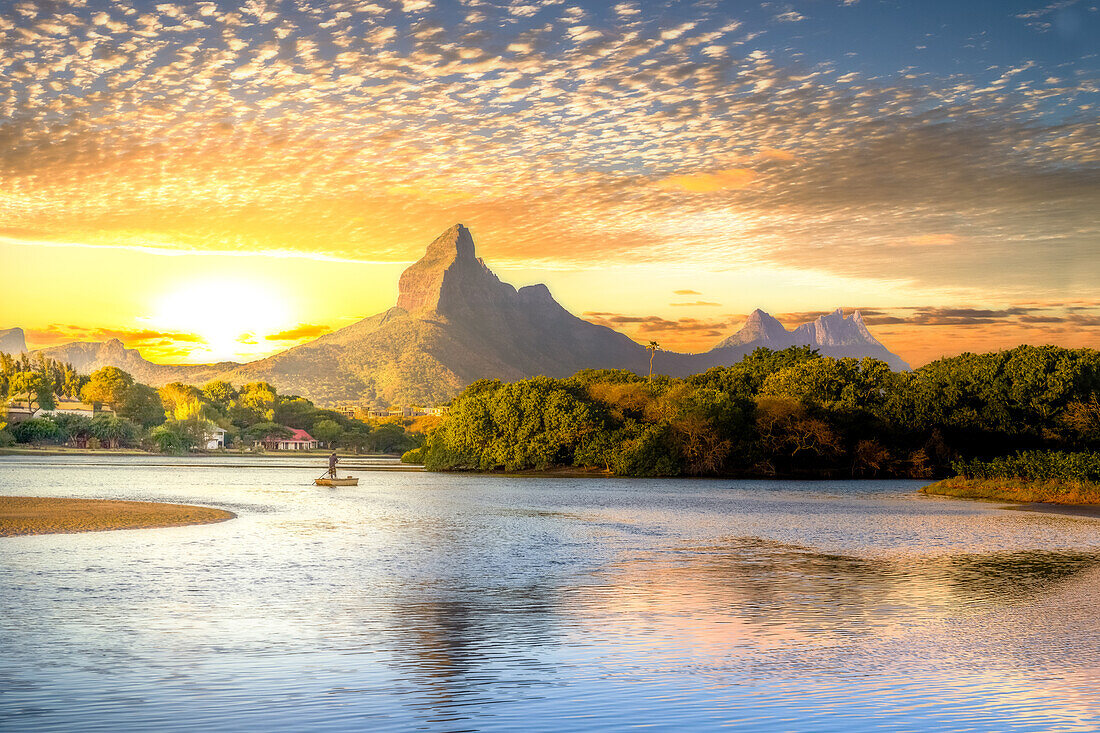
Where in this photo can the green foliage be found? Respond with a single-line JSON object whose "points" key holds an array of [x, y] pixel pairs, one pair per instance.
{"points": [[115, 432], [167, 438], [36, 430], [789, 413], [220, 394], [1034, 466], [414, 456], [35, 388], [143, 405], [390, 438], [109, 385], [328, 431], [262, 430], [531, 424]]}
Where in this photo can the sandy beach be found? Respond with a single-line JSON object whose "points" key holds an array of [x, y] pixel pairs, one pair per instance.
{"points": [[21, 515]]}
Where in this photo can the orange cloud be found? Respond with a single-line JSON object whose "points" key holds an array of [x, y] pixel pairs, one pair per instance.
{"points": [[731, 178], [301, 331], [60, 334], [776, 154]]}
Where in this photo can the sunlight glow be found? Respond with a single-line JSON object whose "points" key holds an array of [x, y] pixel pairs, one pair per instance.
{"points": [[229, 314]]}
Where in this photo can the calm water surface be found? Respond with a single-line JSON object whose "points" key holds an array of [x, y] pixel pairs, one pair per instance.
{"points": [[429, 602]]}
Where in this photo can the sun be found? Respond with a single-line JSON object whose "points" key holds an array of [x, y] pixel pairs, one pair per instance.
{"points": [[231, 315]]}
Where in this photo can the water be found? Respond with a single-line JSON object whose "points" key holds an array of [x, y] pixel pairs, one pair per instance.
{"points": [[433, 602]]}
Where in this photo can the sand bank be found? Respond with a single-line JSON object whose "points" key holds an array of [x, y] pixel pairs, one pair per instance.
{"points": [[21, 515]]}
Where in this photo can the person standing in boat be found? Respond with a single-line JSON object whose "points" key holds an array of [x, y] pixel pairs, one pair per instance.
{"points": [[332, 460]]}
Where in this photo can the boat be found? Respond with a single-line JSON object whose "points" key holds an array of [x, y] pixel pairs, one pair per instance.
{"points": [[349, 481]]}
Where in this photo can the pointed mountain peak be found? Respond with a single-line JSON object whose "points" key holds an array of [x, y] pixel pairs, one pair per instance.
{"points": [[421, 284], [453, 244], [759, 326], [449, 277]]}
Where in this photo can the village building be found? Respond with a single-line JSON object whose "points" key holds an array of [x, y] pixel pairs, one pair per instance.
{"points": [[299, 440], [215, 438], [17, 412], [73, 407]]}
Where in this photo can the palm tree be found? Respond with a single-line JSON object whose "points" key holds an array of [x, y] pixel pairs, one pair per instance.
{"points": [[652, 347]]}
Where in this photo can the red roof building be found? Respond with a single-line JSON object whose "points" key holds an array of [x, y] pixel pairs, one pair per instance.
{"points": [[300, 440]]}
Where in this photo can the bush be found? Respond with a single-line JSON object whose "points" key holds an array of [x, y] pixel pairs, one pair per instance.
{"points": [[36, 430], [1034, 466], [414, 456]]}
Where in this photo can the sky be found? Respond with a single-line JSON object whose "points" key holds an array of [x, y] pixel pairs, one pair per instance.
{"points": [[222, 181]]}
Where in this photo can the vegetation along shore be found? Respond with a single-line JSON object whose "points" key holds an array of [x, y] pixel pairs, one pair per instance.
{"points": [[790, 413], [22, 515], [1052, 477]]}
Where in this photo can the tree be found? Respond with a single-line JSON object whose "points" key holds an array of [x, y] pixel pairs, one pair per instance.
{"points": [[652, 347], [220, 394], [143, 405], [108, 385], [262, 430], [168, 439], [327, 431], [36, 389], [256, 403], [114, 431], [35, 430]]}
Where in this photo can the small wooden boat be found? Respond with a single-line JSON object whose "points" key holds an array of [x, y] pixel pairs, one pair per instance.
{"points": [[349, 481]]}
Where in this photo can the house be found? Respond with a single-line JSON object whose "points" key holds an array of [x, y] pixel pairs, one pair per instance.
{"points": [[215, 438], [17, 411], [438, 411], [300, 440], [72, 407]]}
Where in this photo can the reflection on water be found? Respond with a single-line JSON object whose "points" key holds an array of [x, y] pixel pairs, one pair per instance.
{"points": [[418, 601]]}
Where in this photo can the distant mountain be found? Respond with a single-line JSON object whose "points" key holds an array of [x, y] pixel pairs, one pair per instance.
{"points": [[456, 322], [87, 356], [832, 335], [12, 341]]}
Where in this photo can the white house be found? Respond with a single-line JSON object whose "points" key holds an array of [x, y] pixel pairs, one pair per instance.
{"points": [[215, 438]]}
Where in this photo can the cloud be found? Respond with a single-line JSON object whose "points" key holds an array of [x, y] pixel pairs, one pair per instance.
{"points": [[358, 131], [301, 331], [732, 178], [934, 240], [133, 338], [686, 292]]}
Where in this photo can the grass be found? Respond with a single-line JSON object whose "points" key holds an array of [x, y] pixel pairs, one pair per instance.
{"points": [[1022, 490]]}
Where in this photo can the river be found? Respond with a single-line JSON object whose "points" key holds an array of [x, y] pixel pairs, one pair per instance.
{"points": [[435, 602]]}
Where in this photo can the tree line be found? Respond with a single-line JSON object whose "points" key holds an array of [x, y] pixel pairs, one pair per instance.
{"points": [[790, 413], [175, 418]]}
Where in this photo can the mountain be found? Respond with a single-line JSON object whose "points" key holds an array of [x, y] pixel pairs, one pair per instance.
{"points": [[12, 341], [87, 356], [455, 322], [832, 335]]}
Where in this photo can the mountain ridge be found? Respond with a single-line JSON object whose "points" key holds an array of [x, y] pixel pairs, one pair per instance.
{"points": [[455, 322]]}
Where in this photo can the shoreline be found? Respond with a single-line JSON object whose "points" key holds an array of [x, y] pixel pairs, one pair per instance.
{"points": [[63, 451], [35, 515], [1020, 491]]}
